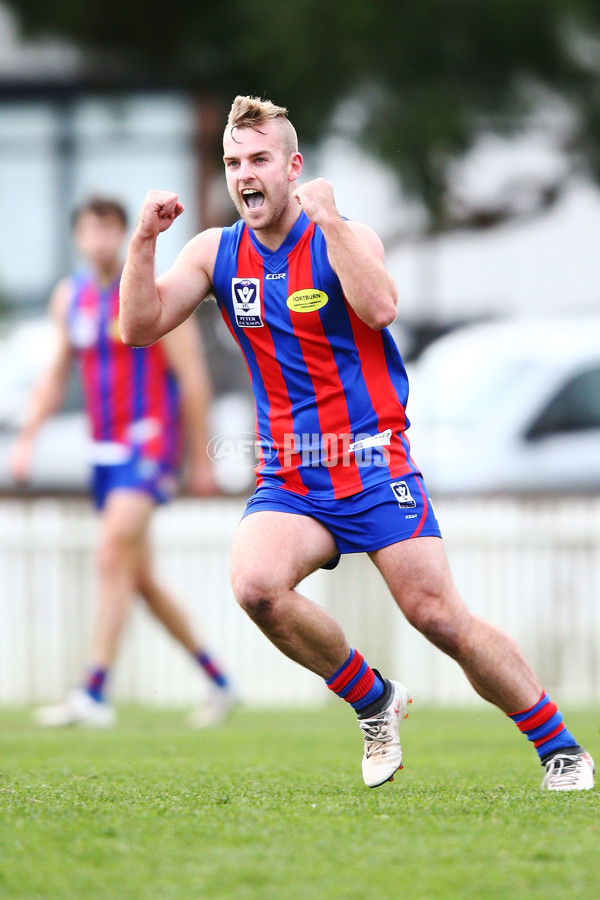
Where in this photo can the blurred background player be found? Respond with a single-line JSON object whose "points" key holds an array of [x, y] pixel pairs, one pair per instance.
{"points": [[138, 403]]}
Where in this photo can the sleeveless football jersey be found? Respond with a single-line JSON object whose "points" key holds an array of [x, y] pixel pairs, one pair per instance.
{"points": [[330, 391], [131, 396]]}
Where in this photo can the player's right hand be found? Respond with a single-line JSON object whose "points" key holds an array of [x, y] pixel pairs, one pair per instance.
{"points": [[159, 211], [20, 460]]}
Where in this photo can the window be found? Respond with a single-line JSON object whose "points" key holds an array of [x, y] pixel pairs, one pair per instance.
{"points": [[576, 407], [464, 390]]}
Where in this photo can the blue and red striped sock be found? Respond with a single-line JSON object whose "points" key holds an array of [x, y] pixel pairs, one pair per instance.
{"points": [[212, 670], [94, 684], [356, 682], [543, 725]]}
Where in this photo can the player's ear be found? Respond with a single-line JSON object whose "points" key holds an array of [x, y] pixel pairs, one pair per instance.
{"points": [[295, 166]]}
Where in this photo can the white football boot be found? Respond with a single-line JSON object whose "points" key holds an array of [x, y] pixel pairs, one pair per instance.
{"points": [[569, 772], [381, 732], [215, 711], [78, 709]]}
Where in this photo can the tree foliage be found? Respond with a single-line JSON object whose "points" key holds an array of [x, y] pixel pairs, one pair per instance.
{"points": [[419, 81]]}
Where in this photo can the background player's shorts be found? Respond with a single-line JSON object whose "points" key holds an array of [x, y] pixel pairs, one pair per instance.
{"points": [[381, 515], [152, 477]]}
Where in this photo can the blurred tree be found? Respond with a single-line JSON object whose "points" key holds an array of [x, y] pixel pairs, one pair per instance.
{"points": [[414, 83]]}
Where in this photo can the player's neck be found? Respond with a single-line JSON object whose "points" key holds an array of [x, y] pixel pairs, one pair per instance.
{"points": [[107, 274], [273, 237]]}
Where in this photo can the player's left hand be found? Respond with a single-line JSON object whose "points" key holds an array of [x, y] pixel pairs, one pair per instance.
{"points": [[200, 479], [317, 200], [20, 460]]}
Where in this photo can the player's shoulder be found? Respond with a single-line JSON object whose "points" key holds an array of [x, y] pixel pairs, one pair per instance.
{"points": [[361, 229], [201, 250], [366, 235], [206, 241]]}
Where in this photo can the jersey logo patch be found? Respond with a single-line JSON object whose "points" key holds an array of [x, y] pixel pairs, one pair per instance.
{"points": [[307, 300], [403, 495], [246, 302], [84, 328], [113, 330], [375, 440]]}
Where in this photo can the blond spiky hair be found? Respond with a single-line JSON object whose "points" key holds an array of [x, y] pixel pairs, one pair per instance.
{"points": [[252, 112]]}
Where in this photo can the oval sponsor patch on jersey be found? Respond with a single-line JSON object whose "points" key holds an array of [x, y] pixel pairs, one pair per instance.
{"points": [[113, 329], [307, 300]]}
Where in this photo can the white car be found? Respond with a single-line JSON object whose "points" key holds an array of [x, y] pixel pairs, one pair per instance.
{"points": [[509, 406], [61, 450]]}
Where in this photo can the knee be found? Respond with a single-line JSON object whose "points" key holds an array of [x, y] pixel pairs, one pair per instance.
{"points": [[114, 553], [442, 622], [107, 557], [255, 596]]}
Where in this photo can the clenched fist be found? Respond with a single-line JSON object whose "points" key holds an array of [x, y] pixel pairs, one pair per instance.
{"points": [[159, 211], [317, 200]]}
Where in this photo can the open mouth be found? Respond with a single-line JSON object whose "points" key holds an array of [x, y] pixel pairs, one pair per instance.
{"points": [[253, 199]]}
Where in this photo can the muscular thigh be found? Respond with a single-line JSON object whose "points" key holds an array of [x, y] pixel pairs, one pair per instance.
{"points": [[417, 571], [277, 549]]}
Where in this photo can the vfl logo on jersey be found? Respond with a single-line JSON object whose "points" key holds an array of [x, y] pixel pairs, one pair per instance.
{"points": [[403, 495], [83, 329], [246, 302], [307, 300]]}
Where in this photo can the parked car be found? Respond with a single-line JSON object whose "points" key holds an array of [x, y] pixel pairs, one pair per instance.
{"points": [[61, 452], [509, 406]]}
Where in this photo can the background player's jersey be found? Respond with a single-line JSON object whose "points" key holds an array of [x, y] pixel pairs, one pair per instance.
{"points": [[330, 391], [131, 396]]}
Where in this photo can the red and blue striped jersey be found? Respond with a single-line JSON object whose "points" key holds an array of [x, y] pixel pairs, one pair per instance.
{"points": [[130, 394], [330, 391]]}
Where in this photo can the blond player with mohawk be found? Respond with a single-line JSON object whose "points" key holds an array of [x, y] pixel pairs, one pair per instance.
{"points": [[307, 297]]}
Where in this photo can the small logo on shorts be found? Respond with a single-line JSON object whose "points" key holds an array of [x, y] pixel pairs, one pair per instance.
{"points": [[403, 495], [147, 469]]}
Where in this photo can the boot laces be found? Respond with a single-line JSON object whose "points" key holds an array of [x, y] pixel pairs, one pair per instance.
{"points": [[375, 731], [564, 769]]}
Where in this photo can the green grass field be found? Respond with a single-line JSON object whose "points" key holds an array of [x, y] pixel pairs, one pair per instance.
{"points": [[272, 806]]}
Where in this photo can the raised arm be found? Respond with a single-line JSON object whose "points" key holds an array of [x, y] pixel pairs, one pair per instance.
{"points": [[150, 308], [355, 253]]}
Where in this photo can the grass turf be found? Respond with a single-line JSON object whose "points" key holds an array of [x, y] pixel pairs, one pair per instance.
{"points": [[272, 806]]}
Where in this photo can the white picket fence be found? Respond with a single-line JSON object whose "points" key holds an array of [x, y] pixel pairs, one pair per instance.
{"points": [[530, 566]]}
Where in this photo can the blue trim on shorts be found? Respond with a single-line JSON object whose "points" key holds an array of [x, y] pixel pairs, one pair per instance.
{"points": [[384, 514], [149, 476]]}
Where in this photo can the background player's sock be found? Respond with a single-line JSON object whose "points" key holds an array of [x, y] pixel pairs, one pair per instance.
{"points": [[357, 683], [543, 725], [212, 669], [94, 684]]}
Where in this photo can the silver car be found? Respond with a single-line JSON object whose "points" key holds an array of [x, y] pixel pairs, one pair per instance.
{"points": [[61, 451], [509, 406]]}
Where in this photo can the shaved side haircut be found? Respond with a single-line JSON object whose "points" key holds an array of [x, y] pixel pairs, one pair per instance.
{"points": [[252, 112]]}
